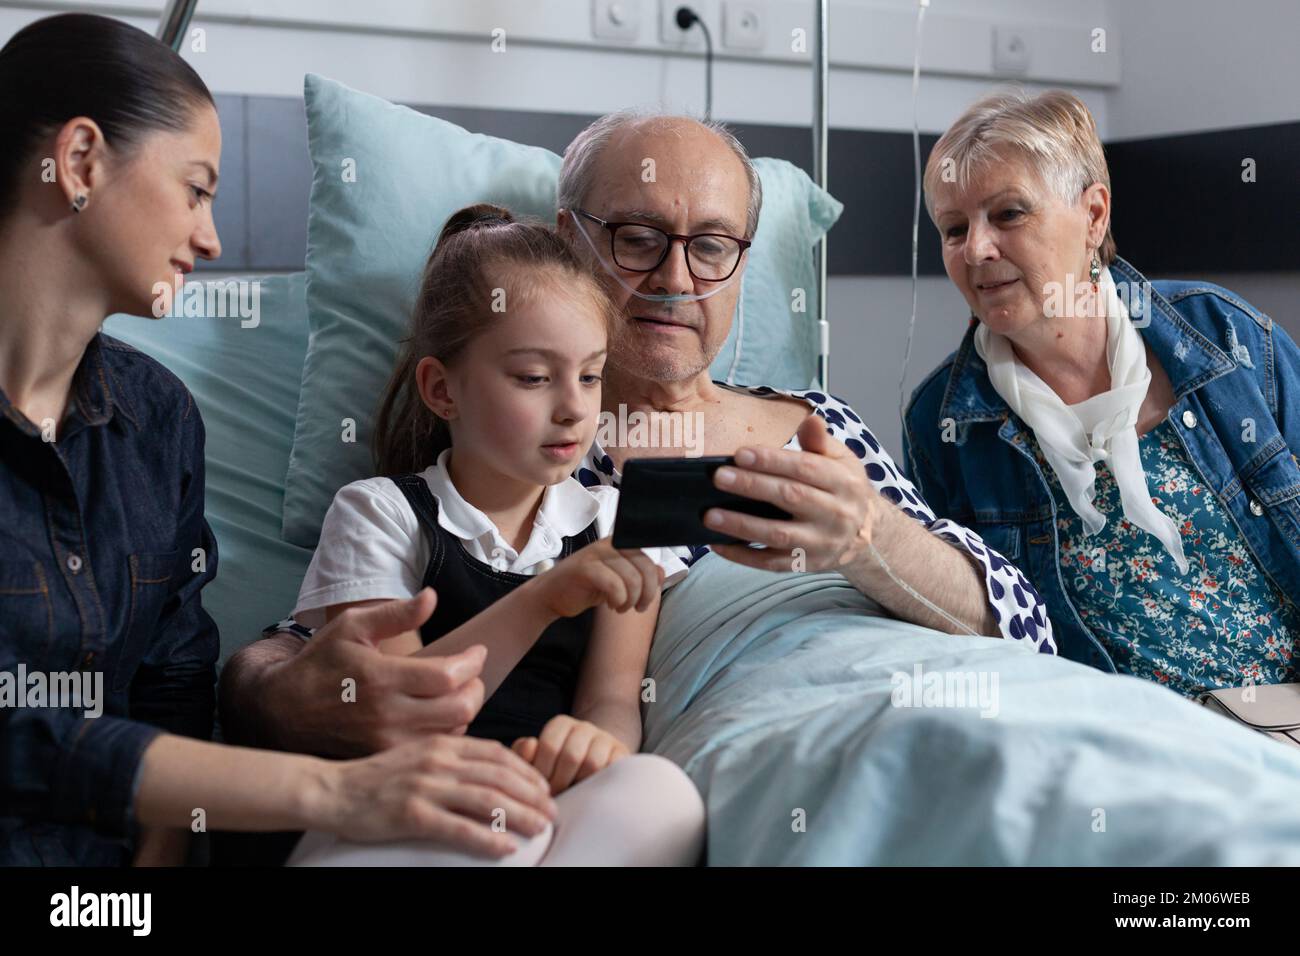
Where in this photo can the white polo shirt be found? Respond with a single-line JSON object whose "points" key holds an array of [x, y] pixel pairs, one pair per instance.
{"points": [[372, 547]]}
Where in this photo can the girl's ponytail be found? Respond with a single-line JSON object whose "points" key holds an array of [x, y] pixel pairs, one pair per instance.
{"points": [[408, 436], [405, 427]]}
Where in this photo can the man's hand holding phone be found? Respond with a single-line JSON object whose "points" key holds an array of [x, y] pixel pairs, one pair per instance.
{"points": [[835, 511], [817, 500]]}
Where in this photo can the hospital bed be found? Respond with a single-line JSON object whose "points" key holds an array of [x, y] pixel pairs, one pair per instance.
{"points": [[777, 693], [246, 376]]}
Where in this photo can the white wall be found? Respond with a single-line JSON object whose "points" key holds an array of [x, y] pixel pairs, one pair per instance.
{"points": [[869, 318], [438, 52], [1204, 64], [1186, 65], [1171, 66]]}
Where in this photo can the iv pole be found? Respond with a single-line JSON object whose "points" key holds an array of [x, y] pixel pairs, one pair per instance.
{"points": [[821, 90], [175, 21]]}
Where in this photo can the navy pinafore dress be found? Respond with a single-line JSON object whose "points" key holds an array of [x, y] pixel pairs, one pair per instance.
{"points": [[543, 683]]}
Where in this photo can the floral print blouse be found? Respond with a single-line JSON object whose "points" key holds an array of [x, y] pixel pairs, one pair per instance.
{"points": [[1220, 625]]}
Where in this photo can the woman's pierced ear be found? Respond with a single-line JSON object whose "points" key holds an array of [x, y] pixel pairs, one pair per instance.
{"points": [[79, 203]]}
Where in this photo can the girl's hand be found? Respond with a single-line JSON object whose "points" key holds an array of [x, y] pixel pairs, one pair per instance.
{"points": [[598, 574], [444, 788], [569, 750]]}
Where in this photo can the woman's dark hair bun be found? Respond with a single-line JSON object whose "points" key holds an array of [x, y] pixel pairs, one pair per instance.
{"points": [[80, 64]]}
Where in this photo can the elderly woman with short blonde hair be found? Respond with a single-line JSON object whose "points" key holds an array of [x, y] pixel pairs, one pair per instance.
{"points": [[1130, 445]]}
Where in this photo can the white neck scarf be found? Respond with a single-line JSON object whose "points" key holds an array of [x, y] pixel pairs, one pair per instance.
{"points": [[1102, 428]]}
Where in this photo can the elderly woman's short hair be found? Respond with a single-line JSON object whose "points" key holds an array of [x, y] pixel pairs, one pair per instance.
{"points": [[1052, 131], [578, 173]]}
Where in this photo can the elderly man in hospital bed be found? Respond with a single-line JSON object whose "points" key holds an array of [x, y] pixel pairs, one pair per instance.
{"points": [[811, 687]]}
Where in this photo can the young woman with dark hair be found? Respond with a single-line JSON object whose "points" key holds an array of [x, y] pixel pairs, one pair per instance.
{"points": [[111, 160]]}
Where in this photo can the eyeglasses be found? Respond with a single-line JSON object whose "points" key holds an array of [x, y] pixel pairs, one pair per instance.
{"points": [[636, 247]]}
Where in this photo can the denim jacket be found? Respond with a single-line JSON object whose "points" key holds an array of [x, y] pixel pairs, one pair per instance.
{"points": [[98, 532], [1236, 383]]}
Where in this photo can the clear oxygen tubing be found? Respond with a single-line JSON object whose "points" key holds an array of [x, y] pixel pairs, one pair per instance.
{"points": [[636, 292], [961, 626], [740, 304], [916, 200]]}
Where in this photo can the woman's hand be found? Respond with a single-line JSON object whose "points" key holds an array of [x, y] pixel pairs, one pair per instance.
{"points": [[399, 699], [569, 750], [599, 574], [444, 788], [835, 508]]}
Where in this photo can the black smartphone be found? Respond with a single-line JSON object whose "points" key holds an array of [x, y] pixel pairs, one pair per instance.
{"points": [[662, 503]]}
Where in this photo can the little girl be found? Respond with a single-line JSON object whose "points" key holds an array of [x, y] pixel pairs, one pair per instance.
{"points": [[493, 404]]}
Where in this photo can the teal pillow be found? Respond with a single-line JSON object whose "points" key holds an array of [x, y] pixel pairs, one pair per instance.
{"points": [[245, 379], [385, 178], [775, 324]]}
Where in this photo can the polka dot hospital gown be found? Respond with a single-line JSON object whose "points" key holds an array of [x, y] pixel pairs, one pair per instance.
{"points": [[1016, 606]]}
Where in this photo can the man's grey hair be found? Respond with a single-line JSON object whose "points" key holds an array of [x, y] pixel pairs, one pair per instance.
{"points": [[578, 172]]}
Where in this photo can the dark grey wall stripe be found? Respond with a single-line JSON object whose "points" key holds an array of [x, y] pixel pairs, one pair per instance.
{"points": [[1180, 203]]}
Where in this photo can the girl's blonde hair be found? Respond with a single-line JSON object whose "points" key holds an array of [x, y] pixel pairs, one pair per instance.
{"points": [[481, 246], [1052, 131]]}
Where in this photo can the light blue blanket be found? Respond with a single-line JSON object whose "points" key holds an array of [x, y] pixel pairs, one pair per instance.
{"points": [[781, 695]]}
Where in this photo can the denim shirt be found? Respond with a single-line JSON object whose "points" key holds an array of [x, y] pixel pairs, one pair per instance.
{"points": [[1236, 383], [99, 575]]}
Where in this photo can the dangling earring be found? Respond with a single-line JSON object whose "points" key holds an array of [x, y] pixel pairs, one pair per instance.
{"points": [[79, 203], [1094, 273]]}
